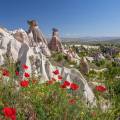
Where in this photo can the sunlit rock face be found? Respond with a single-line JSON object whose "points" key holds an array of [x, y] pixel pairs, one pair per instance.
{"points": [[55, 43], [98, 57], [16, 45], [72, 55], [21, 35]]}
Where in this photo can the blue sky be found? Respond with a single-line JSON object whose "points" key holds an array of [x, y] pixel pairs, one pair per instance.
{"points": [[74, 18]]}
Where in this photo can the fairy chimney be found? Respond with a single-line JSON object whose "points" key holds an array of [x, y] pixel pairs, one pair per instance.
{"points": [[55, 43], [84, 66]]}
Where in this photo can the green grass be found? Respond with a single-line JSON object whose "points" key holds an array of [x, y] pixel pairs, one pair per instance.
{"points": [[51, 102]]}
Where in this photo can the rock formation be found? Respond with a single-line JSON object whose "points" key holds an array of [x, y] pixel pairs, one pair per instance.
{"points": [[20, 50], [72, 55], [98, 57], [55, 44], [84, 67]]}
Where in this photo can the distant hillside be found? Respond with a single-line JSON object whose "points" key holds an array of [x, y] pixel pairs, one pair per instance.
{"points": [[91, 39], [113, 40]]}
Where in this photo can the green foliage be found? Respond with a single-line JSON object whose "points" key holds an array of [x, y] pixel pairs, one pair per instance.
{"points": [[51, 102], [58, 57], [100, 63]]}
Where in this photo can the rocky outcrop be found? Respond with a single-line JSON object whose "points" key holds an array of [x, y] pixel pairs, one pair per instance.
{"points": [[98, 57], [28, 39], [84, 66], [39, 65], [55, 43], [72, 55]]}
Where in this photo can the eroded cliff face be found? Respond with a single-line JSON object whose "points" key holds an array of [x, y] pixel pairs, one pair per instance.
{"points": [[16, 45]]}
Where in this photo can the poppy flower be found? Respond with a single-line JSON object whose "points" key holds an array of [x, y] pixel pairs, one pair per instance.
{"points": [[26, 75], [72, 101], [24, 83], [9, 113], [66, 83], [93, 114], [5, 73], [74, 86], [25, 67], [62, 86], [53, 79], [56, 72], [100, 88], [17, 73], [59, 77], [13, 117], [50, 82], [34, 81]]}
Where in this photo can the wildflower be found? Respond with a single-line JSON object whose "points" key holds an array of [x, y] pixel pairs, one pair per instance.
{"points": [[13, 117], [6, 73], [9, 113], [24, 83], [100, 88], [34, 81], [66, 83], [24, 66], [59, 77], [56, 72], [63, 86], [93, 114], [53, 79], [74, 86], [17, 73], [72, 101], [82, 113], [50, 82], [26, 75]]}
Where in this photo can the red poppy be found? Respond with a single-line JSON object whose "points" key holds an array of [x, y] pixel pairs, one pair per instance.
{"points": [[63, 86], [24, 83], [6, 73], [53, 79], [72, 101], [66, 83], [24, 66], [59, 77], [56, 72], [100, 88], [50, 82], [74, 86], [10, 113], [13, 117], [34, 81], [93, 114], [26, 75], [17, 73]]}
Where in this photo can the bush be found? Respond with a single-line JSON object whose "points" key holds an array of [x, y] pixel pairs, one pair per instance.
{"points": [[100, 63]]}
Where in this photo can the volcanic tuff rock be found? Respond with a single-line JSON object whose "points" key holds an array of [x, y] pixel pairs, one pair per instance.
{"points": [[55, 43], [16, 45], [84, 67]]}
